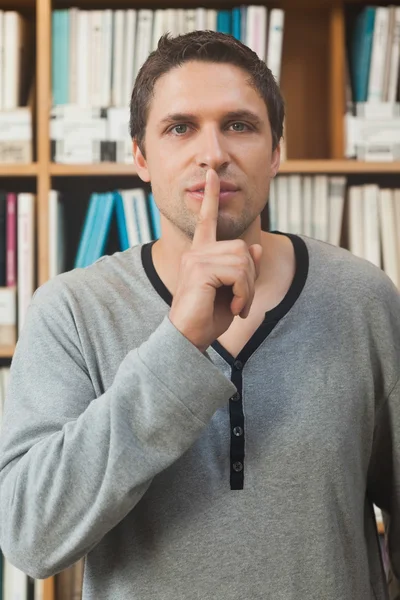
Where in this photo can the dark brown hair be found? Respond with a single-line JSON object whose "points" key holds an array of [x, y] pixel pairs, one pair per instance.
{"points": [[206, 46]]}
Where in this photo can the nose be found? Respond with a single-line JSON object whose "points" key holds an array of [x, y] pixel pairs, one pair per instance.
{"points": [[211, 149]]}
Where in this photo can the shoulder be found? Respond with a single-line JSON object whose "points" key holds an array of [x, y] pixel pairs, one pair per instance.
{"points": [[341, 273], [78, 288]]}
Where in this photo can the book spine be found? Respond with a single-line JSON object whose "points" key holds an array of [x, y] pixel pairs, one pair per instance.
{"points": [[11, 237]]}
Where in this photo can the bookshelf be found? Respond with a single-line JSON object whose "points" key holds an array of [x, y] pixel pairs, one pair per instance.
{"points": [[313, 82]]}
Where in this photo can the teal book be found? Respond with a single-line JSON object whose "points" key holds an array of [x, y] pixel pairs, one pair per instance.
{"points": [[121, 222], [105, 204], [236, 22], [60, 56], [81, 255], [361, 48], [154, 218], [224, 21]]}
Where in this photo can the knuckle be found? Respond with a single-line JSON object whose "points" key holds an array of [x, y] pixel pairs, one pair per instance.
{"points": [[239, 247]]}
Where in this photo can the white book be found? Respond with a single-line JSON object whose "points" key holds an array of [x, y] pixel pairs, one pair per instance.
{"points": [[212, 19], [388, 52], [190, 15], [129, 54], [118, 131], [13, 40], [143, 38], [396, 202], [356, 221], [106, 58], [118, 58], [132, 224], [388, 232], [139, 199], [8, 316], [378, 54], [2, 399], [372, 238], [282, 194], [395, 59], [256, 30], [26, 254], [83, 69], [336, 194], [243, 23], [56, 234], [308, 205], [171, 21], [159, 22], [39, 589], [1, 58], [295, 204], [73, 55], [272, 206], [321, 211], [201, 19], [181, 21], [15, 585], [96, 66], [275, 41]]}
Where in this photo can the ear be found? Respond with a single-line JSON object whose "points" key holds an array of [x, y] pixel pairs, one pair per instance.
{"points": [[140, 162], [276, 160]]}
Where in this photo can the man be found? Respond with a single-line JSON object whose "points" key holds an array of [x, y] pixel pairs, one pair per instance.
{"points": [[213, 414]]}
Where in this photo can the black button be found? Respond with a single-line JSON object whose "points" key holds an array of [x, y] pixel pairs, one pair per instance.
{"points": [[238, 431], [235, 397], [238, 365], [237, 466]]}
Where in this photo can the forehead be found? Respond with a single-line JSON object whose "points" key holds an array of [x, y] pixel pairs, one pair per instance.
{"points": [[204, 88]]}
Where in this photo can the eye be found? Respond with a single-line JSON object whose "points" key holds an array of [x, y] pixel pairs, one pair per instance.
{"points": [[240, 124], [176, 127]]}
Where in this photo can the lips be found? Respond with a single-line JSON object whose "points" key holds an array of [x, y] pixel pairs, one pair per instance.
{"points": [[225, 186]]}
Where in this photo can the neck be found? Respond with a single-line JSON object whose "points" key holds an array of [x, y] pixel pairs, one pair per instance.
{"points": [[167, 252]]}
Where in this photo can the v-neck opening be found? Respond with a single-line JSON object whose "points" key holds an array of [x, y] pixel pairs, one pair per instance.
{"points": [[272, 317]]}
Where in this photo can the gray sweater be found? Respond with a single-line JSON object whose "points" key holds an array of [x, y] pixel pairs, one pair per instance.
{"points": [[189, 476]]}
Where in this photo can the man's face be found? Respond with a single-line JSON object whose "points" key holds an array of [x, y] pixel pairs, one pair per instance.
{"points": [[197, 121]]}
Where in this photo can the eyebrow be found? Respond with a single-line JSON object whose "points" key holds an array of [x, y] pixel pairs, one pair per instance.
{"points": [[234, 114]]}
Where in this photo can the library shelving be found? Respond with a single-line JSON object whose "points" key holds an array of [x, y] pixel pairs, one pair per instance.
{"points": [[312, 81]]}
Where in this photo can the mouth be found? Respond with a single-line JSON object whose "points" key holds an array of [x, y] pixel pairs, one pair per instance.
{"points": [[224, 195], [227, 191]]}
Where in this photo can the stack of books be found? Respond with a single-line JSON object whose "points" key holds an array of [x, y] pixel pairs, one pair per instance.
{"points": [[372, 121], [97, 54]]}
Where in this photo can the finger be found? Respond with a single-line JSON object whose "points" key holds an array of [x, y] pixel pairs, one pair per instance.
{"points": [[206, 228], [255, 252], [229, 276]]}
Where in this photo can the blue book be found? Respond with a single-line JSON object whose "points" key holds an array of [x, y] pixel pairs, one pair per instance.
{"points": [[60, 56], [224, 21], [361, 48], [104, 212], [80, 260], [154, 217], [236, 22], [121, 222]]}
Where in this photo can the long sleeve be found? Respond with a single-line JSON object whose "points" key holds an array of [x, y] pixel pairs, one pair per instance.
{"points": [[384, 472], [72, 465]]}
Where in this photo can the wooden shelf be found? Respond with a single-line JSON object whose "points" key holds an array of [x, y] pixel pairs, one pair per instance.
{"points": [[27, 170], [289, 166], [96, 170], [338, 166], [6, 351]]}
